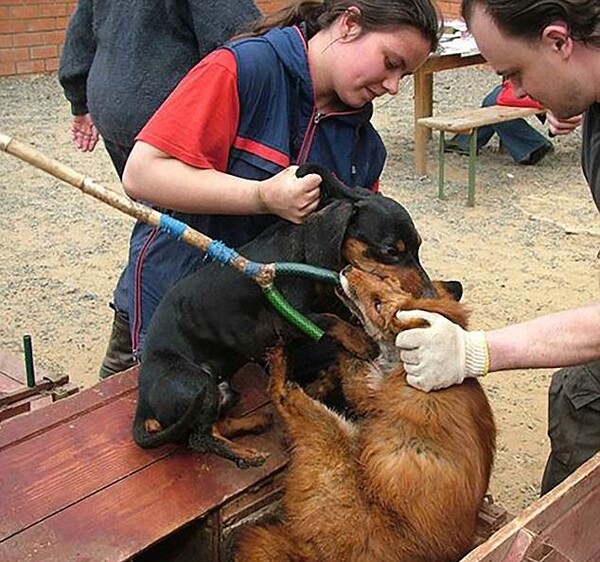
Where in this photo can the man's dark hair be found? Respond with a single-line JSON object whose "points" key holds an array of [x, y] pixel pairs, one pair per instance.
{"points": [[526, 19]]}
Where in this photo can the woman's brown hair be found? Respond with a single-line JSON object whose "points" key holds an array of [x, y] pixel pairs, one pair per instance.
{"points": [[372, 15]]}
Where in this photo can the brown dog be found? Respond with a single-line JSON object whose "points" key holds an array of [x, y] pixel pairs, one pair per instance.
{"points": [[405, 482]]}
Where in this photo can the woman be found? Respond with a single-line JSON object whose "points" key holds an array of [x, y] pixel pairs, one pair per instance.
{"points": [[222, 150]]}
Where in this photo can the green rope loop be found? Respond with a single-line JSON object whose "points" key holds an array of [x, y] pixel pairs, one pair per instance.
{"points": [[307, 271], [291, 314]]}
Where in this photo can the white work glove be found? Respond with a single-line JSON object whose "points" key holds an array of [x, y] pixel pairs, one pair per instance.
{"points": [[441, 354]]}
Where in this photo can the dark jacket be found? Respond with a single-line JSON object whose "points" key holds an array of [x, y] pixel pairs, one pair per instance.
{"points": [[121, 58], [590, 152], [277, 111]]}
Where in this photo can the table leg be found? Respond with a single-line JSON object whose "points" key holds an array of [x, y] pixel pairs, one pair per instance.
{"points": [[423, 91], [472, 162]]}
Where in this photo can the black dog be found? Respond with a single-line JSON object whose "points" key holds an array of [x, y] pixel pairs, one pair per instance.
{"points": [[216, 320]]}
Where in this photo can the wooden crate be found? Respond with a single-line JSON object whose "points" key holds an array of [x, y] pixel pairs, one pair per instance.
{"points": [[562, 526]]}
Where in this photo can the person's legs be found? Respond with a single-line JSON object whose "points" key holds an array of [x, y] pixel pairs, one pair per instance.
{"points": [[573, 421], [525, 144], [118, 356], [460, 143], [157, 261]]}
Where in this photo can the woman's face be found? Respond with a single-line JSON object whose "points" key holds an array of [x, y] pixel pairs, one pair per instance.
{"points": [[365, 65]]}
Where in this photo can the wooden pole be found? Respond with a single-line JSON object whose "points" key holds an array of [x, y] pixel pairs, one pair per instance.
{"points": [[137, 210]]}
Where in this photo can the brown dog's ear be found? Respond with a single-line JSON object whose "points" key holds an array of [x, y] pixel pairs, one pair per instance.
{"points": [[453, 289], [324, 232], [331, 187]]}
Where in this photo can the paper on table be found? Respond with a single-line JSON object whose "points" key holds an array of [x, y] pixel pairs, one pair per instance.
{"points": [[463, 45], [456, 39]]}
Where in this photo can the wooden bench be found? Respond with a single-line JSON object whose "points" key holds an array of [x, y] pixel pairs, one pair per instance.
{"points": [[74, 485], [467, 122]]}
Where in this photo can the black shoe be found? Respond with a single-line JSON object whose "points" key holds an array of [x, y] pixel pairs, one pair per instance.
{"points": [[455, 147], [119, 355], [537, 155]]}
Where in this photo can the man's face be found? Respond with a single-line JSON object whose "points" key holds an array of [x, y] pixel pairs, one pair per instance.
{"points": [[544, 69]]}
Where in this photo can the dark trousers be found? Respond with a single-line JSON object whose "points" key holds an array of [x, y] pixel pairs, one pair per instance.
{"points": [[118, 356], [573, 421]]}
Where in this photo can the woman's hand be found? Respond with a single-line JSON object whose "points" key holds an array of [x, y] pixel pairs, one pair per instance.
{"points": [[289, 196]]}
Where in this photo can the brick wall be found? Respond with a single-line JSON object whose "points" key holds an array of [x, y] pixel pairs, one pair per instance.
{"points": [[450, 8], [31, 34], [32, 31]]}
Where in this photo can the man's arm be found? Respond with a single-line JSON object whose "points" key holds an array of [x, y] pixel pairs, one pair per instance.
{"points": [[444, 354], [77, 57], [564, 338]]}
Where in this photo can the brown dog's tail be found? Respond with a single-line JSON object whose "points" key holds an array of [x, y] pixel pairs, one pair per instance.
{"points": [[144, 422]]}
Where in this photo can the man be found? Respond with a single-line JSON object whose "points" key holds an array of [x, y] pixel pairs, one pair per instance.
{"points": [[120, 61], [550, 50]]}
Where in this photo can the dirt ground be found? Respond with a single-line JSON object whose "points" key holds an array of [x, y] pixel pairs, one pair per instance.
{"points": [[526, 248]]}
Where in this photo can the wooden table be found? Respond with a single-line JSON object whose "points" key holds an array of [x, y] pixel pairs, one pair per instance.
{"points": [[75, 487], [423, 91]]}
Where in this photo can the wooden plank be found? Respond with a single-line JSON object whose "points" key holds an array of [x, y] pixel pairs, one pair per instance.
{"points": [[528, 531], [23, 406], [53, 470], [437, 63], [575, 533], [84, 448], [8, 383], [13, 366], [26, 426], [468, 119], [423, 97], [423, 84], [131, 514]]}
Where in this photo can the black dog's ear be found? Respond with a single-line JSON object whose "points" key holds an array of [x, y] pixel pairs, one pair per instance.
{"points": [[331, 187], [454, 289], [324, 234]]}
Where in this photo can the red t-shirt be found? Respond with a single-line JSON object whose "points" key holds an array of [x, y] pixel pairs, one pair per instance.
{"points": [[198, 122], [507, 97]]}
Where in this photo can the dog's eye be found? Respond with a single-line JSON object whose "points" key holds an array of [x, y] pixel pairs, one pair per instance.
{"points": [[392, 251], [377, 305]]}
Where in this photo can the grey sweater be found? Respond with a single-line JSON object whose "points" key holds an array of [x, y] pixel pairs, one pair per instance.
{"points": [[122, 58]]}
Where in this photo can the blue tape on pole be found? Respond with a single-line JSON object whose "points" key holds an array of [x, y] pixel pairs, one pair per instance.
{"points": [[217, 251], [172, 227], [252, 269]]}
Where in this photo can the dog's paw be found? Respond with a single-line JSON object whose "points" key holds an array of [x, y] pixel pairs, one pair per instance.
{"points": [[324, 384], [152, 426], [252, 459]]}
